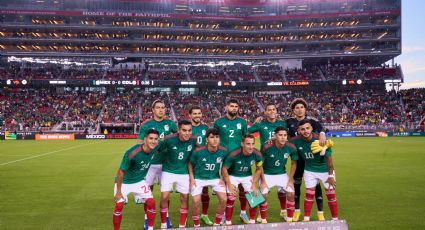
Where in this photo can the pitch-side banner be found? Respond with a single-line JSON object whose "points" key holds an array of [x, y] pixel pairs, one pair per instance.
{"points": [[55, 136]]}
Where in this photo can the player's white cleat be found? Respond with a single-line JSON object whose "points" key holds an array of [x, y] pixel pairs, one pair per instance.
{"points": [[228, 223], [306, 218], [164, 226], [251, 221], [244, 218]]}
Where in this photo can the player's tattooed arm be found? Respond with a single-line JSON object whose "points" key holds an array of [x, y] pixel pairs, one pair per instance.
{"points": [[257, 175], [292, 173], [230, 187], [331, 172], [120, 176], [191, 176]]}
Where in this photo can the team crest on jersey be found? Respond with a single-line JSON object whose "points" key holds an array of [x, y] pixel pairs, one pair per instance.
{"points": [[252, 162], [204, 132], [189, 148], [239, 126], [166, 128], [219, 160], [286, 155]]}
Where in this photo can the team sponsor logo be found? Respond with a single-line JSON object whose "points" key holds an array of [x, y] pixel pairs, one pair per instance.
{"points": [[224, 126], [239, 162], [272, 156], [189, 148], [239, 126], [300, 148], [174, 147], [95, 136], [266, 128], [204, 159]]}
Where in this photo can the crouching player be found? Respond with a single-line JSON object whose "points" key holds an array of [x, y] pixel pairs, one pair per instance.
{"points": [[317, 169], [131, 179], [275, 156], [176, 150], [237, 170], [204, 170]]}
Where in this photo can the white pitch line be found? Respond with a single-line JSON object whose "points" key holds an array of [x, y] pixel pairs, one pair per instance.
{"points": [[48, 153]]}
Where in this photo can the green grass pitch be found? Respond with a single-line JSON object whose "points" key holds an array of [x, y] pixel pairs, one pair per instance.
{"points": [[69, 185]]}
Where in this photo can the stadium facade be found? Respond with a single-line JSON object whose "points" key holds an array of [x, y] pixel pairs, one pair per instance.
{"points": [[242, 47]]}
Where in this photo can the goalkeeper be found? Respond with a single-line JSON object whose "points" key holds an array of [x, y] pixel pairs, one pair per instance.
{"points": [[299, 107]]}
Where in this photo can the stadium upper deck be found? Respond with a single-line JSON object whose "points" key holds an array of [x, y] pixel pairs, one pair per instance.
{"points": [[221, 29]]}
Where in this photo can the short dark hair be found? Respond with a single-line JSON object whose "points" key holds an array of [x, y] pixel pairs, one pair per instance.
{"points": [[193, 108], [280, 128], [184, 122], [212, 131], [270, 104], [297, 101], [247, 136], [151, 131], [305, 121], [232, 100], [156, 102]]}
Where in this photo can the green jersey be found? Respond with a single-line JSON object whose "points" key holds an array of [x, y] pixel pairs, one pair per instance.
{"points": [[275, 158], [163, 127], [240, 165], [313, 162], [135, 164], [176, 153], [231, 132], [206, 164], [200, 131], [266, 129]]}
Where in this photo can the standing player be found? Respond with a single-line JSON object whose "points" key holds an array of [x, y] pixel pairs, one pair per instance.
{"points": [[164, 127], [131, 179], [232, 128], [205, 170], [267, 126], [199, 130], [317, 168], [299, 107], [266, 129], [237, 171], [275, 156], [176, 150]]}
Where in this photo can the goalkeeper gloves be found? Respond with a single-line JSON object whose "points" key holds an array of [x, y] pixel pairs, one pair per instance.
{"points": [[316, 148]]}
